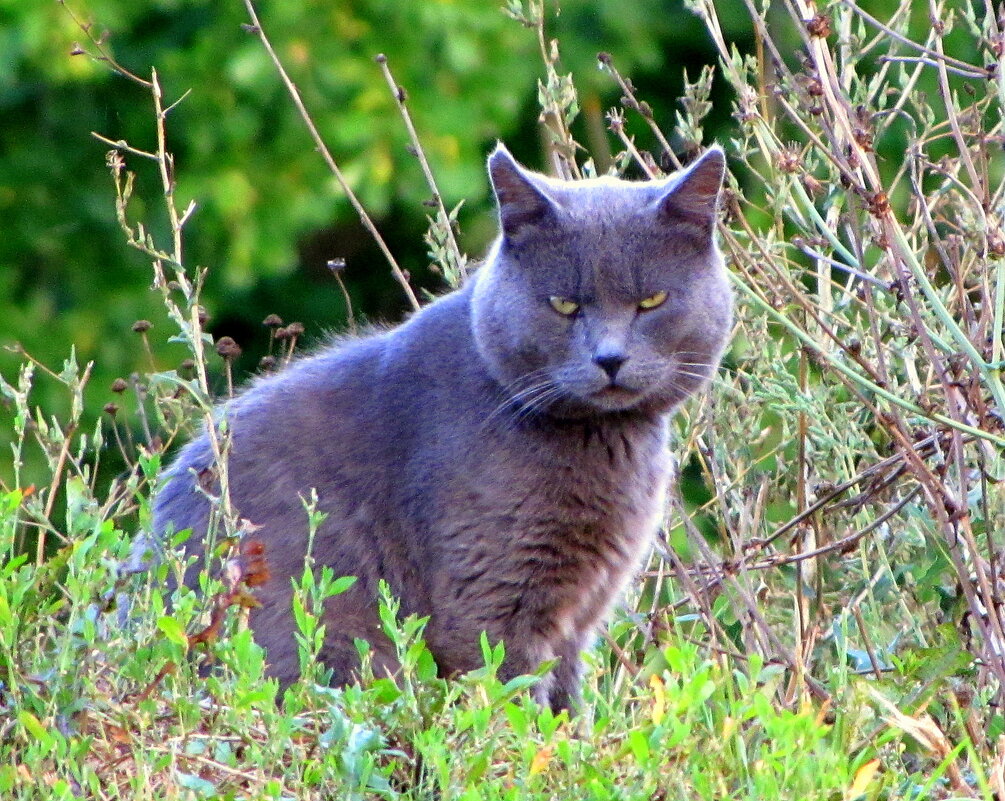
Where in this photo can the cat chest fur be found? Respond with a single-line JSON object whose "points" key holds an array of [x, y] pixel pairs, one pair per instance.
{"points": [[568, 514]]}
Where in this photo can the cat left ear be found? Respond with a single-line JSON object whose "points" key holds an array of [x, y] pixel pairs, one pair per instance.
{"points": [[520, 202], [694, 197]]}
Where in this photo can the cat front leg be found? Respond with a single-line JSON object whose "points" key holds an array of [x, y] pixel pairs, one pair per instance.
{"points": [[565, 690]]}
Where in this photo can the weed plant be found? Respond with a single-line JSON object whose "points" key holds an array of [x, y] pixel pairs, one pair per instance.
{"points": [[822, 618]]}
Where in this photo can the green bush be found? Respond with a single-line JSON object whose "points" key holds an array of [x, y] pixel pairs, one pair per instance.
{"points": [[822, 619]]}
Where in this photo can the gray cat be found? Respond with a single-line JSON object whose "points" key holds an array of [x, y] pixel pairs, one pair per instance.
{"points": [[501, 458]]}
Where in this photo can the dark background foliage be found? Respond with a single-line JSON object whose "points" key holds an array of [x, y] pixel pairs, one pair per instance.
{"points": [[269, 214]]}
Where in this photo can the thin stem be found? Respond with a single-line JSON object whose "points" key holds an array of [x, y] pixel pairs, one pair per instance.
{"points": [[368, 223], [457, 262]]}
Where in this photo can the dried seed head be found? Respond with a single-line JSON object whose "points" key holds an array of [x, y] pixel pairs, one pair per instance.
{"points": [[272, 321], [207, 478], [119, 385], [281, 333], [812, 185], [228, 348], [819, 26], [747, 105], [789, 159], [203, 315], [267, 363], [336, 265], [996, 244], [879, 205], [863, 137], [295, 329], [142, 326], [111, 409]]}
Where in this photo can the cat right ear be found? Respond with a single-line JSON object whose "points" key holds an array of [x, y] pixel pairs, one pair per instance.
{"points": [[521, 203], [693, 196]]}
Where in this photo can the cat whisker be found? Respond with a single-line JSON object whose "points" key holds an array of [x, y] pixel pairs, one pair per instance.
{"points": [[711, 379], [528, 400], [526, 379]]}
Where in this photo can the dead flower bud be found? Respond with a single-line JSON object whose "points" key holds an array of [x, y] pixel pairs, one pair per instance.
{"points": [[272, 321], [295, 329], [111, 409], [119, 385], [142, 326], [996, 244], [863, 137], [336, 265], [812, 186], [819, 26], [879, 205], [267, 363], [228, 348], [788, 159]]}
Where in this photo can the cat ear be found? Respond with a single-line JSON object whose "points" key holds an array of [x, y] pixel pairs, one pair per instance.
{"points": [[693, 197], [520, 201]]}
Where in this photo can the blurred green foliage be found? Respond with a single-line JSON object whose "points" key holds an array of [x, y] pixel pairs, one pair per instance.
{"points": [[269, 214]]}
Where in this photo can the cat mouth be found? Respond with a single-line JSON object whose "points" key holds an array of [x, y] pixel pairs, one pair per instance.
{"points": [[615, 394]]}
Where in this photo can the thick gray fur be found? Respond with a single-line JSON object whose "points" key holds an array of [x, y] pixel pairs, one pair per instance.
{"points": [[480, 457]]}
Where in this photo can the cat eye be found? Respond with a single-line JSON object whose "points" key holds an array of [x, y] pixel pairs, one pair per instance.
{"points": [[652, 301], [563, 306]]}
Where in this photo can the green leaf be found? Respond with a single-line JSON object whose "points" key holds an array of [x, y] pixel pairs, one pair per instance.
{"points": [[173, 630]]}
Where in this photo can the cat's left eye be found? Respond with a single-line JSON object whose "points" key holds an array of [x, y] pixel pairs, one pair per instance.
{"points": [[564, 306], [653, 301]]}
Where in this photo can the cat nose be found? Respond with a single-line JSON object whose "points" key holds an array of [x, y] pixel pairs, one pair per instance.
{"points": [[610, 363]]}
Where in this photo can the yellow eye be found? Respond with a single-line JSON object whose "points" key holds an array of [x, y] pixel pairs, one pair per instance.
{"points": [[653, 301], [563, 306]]}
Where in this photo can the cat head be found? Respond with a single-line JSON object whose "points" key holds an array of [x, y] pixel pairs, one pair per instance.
{"points": [[603, 296]]}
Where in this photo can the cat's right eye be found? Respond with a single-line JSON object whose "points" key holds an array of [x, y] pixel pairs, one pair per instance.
{"points": [[563, 306]]}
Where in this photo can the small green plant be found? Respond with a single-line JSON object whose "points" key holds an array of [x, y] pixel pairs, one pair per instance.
{"points": [[821, 619]]}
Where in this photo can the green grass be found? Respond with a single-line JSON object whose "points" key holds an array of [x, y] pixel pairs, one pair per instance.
{"points": [[822, 619], [102, 699]]}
